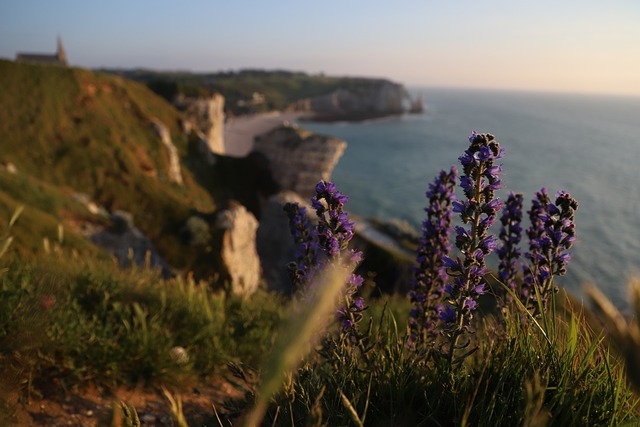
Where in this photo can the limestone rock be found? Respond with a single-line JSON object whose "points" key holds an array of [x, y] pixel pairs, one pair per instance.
{"points": [[274, 241], [207, 116], [298, 159], [91, 206], [127, 243], [11, 168], [175, 174], [240, 262]]}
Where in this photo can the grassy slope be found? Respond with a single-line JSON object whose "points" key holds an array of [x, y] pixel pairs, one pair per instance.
{"points": [[90, 133]]}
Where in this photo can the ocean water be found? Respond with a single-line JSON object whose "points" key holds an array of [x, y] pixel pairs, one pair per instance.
{"points": [[588, 145]]}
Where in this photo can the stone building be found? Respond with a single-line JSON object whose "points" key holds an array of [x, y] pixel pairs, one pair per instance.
{"points": [[58, 58]]}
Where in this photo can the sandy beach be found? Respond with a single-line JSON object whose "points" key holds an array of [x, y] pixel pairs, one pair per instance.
{"points": [[239, 132]]}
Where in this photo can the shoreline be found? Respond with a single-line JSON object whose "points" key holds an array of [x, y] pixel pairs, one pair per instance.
{"points": [[240, 132]]}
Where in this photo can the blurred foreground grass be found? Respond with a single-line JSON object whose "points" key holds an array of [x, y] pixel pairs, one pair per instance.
{"points": [[68, 321]]}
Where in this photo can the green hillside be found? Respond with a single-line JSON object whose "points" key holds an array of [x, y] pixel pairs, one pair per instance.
{"points": [[280, 88], [70, 130]]}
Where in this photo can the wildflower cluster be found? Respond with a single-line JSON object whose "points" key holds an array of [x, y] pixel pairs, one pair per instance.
{"points": [[326, 242], [446, 287], [480, 180], [430, 274], [510, 236], [551, 235]]}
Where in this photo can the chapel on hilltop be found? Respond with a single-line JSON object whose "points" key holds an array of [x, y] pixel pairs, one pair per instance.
{"points": [[58, 58]]}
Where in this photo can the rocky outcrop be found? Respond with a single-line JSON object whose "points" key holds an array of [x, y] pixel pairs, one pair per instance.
{"points": [[298, 159], [127, 244], [161, 129], [9, 167], [240, 263], [206, 117], [275, 244], [240, 132], [367, 100]]}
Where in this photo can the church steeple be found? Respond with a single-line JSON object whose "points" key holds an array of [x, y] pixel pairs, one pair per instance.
{"points": [[62, 55]]}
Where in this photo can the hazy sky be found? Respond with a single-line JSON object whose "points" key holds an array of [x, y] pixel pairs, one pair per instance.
{"points": [[576, 46]]}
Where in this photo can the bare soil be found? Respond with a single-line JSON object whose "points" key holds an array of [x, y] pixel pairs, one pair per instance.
{"points": [[93, 406]]}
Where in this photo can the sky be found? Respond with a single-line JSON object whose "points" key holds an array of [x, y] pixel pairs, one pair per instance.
{"points": [[587, 46]]}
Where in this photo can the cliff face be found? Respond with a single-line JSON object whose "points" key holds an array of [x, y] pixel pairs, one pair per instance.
{"points": [[381, 98], [206, 117], [175, 175], [298, 159]]}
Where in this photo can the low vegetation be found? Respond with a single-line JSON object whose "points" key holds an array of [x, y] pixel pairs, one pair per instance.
{"points": [[467, 346]]}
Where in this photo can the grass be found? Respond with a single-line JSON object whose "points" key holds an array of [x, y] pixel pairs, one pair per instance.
{"points": [[72, 130], [516, 377], [67, 321]]}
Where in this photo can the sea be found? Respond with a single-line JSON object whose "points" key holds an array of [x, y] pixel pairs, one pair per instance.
{"points": [[587, 145]]}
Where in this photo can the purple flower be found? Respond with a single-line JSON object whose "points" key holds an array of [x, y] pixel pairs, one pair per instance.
{"points": [[488, 244], [335, 231], [355, 256], [432, 259], [333, 246], [446, 313], [470, 304], [466, 183], [551, 235], [478, 212], [451, 263], [356, 280], [473, 136], [485, 154], [467, 158], [510, 236], [327, 241], [458, 207], [306, 241]]}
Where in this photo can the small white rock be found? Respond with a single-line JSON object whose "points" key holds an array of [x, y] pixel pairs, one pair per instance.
{"points": [[148, 418], [179, 355]]}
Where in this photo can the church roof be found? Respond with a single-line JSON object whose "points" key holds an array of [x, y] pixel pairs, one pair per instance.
{"points": [[43, 58], [58, 58]]}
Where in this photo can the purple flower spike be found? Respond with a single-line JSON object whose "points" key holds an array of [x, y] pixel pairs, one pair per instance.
{"points": [[306, 241], [479, 211], [335, 231], [510, 236], [432, 260], [551, 235], [328, 241]]}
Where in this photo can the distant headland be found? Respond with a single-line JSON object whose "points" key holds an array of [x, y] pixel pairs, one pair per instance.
{"points": [[320, 97]]}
